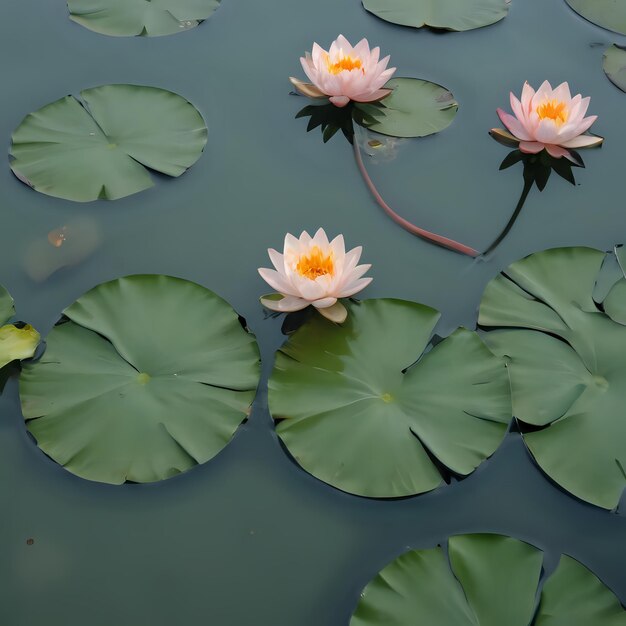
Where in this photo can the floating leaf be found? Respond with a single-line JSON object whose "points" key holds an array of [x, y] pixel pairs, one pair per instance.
{"points": [[614, 65], [415, 108], [489, 580], [361, 413], [125, 18], [148, 376], [567, 364], [609, 14], [98, 148], [16, 342], [448, 14]]}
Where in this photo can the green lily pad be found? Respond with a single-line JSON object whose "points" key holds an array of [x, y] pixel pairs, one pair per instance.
{"points": [[566, 359], [152, 18], [489, 580], [16, 343], [415, 108], [614, 65], [146, 377], [360, 412], [98, 148], [448, 14], [609, 14]]}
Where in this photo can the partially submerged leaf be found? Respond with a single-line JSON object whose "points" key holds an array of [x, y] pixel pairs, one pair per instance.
{"points": [[567, 366], [614, 65], [447, 14], [609, 14], [17, 343], [101, 147], [489, 580], [415, 108], [125, 18], [364, 408], [148, 376]]}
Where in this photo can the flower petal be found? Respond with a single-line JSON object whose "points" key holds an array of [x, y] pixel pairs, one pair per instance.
{"points": [[354, 287], [336, 313], [339, 101], [583, 141], [277, 281], [556, 151], [531, 147], [514, 125], [286, 305], [323, 303]]}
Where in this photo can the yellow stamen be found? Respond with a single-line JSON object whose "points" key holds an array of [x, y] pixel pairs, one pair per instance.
{"points": [[344, 64], [315, 264], [553, 110]]}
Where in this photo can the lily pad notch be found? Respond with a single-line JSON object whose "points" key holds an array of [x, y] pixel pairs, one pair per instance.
{"points": [[486, 580], [371, 407], [143, 378], [147, 18], [101, 145]]}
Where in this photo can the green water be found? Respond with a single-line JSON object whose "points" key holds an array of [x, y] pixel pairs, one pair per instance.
{"points": [[249, 537]]}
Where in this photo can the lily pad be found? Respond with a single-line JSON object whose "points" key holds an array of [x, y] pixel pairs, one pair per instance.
{"points": [[567, 363], [144, 378], [614, 65], [447, 14], [152, 18], [16, 342], [365, 406], [488, 580], [415, 108], [98, 148], [609, 14]]}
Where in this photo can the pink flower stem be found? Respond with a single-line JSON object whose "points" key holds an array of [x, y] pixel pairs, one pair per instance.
{"points": [[414, 230]]}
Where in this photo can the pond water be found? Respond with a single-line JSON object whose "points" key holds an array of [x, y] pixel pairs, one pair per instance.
{"points": [[249, 537]]}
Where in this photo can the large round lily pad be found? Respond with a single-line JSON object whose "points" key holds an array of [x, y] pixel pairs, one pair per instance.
{"points": [[614, 65], [101, 147], [609, 14], [488, 580], [147, 376], [567, 361], [152, 18], [448, 14], [415, 108], [365, 409], [16, 342]]}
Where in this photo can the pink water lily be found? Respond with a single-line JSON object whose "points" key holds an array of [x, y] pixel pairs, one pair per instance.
{"points": [[345, 73], [313, 270], [549, 119]]}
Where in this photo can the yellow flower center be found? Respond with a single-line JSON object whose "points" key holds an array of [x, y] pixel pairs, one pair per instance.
{"points": [[315, 264], [344, 64], [553, 110]]}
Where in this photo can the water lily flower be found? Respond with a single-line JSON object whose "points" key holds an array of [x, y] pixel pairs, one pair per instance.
{"points": [[312, 270], [548, 119], [345, 73], [17, 343]]}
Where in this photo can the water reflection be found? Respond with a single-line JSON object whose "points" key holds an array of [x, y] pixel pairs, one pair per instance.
{"points": [[65, 246]]}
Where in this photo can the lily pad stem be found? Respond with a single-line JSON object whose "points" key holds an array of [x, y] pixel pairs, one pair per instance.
{"points": [[450, 244], [528, 185]]}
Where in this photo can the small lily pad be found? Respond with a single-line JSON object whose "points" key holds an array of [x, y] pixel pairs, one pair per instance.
{"points": [[372, 408], [447, 14], [152, 18], [101, 147], [488, 580], [609, 14], [145, 377], [415, 108], [614, 65], [566, 359], [16, 342]]}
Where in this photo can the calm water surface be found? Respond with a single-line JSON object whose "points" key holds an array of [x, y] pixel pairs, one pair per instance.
{"points": [[249, 537]]}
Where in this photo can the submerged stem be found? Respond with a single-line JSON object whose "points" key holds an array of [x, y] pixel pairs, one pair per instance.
{"points": [[528, 185], [415, 230]]}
